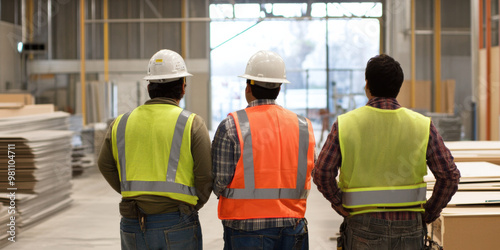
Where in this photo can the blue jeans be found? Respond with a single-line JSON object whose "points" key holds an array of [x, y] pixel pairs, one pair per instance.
{"points": [[163, 231], [294, 237], [364, 232]]}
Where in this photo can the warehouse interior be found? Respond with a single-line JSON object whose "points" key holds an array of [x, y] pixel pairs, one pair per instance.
{"points": [[69, 67]]}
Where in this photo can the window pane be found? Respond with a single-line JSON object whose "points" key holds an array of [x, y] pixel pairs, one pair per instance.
{"points": [[289, 10], [221, 11], [318, 10], [247, 10]]}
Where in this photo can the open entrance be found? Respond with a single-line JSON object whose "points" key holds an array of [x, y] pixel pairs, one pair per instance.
{"points": [[325, 48]]}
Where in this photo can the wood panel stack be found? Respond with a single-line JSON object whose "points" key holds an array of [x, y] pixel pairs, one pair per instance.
{"points": [[82, 154], [35, 161], [42, 173], [4, 220], [471, 219], [467, 151]]}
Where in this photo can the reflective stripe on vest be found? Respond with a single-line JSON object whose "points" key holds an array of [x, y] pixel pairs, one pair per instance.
{"points": [[250, 192], [169, 184], [353, 198]]}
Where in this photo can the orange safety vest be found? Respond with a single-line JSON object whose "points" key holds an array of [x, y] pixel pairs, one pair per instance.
{"points": [[273, 174]]}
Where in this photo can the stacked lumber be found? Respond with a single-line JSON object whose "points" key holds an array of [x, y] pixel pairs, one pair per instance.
{"points": [[45, 121], [82, 154], [471, 219], [4, 220], [480, 177], [467, 151], [35, 166]]}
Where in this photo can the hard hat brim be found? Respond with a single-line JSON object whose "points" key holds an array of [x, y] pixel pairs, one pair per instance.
{"points": [[159, 77], [264, 79]]}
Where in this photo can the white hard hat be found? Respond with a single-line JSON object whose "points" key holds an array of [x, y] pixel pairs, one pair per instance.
{"points": [[266, 67], [166, 66]]}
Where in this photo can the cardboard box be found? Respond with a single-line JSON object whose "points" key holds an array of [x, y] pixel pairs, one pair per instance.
{"points": [[470, 227]]}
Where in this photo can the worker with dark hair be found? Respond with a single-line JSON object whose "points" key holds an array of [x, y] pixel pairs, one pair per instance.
{"points": [[262, 157], [382, 151], [157, 157]]}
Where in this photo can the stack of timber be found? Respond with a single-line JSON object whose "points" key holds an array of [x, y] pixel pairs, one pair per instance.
{"points": [[37, 169], [44, 121], [467, 151], [471, 219], [5, 220], [82, 155], [449, 126]]}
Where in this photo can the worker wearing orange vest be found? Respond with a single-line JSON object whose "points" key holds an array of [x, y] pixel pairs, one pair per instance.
{"points": [[263, 157]]}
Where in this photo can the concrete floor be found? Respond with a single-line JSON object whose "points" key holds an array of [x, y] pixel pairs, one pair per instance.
{"points": [[92, 221]]}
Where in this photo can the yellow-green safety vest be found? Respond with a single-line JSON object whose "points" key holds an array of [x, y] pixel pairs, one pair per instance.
{"points": [[152, 149], [383, 159]]}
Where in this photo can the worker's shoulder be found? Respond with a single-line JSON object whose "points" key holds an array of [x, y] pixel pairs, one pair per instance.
{"points": [[414, 113]]}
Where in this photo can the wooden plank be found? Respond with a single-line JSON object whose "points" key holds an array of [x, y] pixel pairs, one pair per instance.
{"points": [[472, 145], [448, 96], [473, 198], [27, 99], [482, 93], [11, 105], [495, 93], [27, 110], [422, 91]]}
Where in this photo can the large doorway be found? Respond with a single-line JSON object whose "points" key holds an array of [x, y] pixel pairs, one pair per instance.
{"points": [[325, 48]]}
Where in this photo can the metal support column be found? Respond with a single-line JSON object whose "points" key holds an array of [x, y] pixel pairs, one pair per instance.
{"points": [[437, 55], [82, 60]]}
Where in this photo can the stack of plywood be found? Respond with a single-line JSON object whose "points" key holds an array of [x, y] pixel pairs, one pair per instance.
{"points": [[53, 121], [81, 160], [42, 173], [4, 220], [448, 126], [466, 151], [82, 155], [12, 110], [471, 219], [20, 98]]}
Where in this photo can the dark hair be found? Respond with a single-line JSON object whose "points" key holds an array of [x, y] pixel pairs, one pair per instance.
{"points": [[263, 93], [169, 89], [384, 76]]}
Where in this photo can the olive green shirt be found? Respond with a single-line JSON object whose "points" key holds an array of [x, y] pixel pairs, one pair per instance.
{"points": [[200, 149]]}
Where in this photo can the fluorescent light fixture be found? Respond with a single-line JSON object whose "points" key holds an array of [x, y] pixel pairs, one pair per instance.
{"points": [[20, 47]]}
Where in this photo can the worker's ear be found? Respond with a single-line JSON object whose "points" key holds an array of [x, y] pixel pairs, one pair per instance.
{"points": [[184, 87], [367, 90], [248, 89]]}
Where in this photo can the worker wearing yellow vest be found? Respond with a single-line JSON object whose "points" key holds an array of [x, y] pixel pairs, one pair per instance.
{"points": [[157, 156], [263, 156], [382, 151]]}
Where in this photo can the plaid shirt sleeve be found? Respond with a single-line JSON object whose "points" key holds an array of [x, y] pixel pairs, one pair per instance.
{"points": [[441, 164], [225, 154], [326, 170]]}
